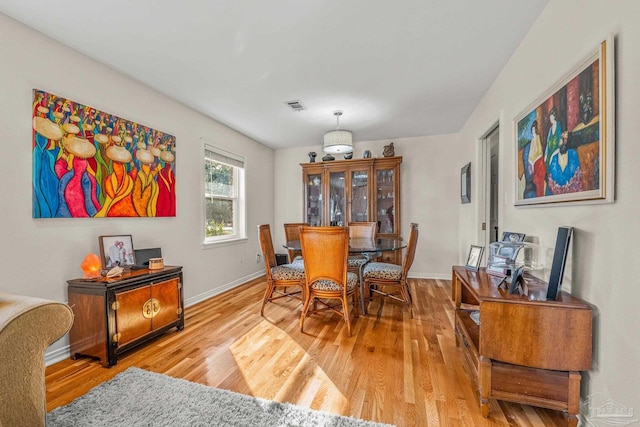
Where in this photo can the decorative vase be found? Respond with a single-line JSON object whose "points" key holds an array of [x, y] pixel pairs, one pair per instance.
{"points": [[312, 156], [348, 155], [388, 150], [367, 154], [328, 158]]}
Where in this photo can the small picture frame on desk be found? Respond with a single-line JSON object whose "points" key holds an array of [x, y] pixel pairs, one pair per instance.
{"points": [[474, 258], [117, 251]]}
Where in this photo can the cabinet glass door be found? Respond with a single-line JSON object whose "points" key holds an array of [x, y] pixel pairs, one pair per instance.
{"points": [[359, 200], [314, 199], [385, 200], [337, 199]]}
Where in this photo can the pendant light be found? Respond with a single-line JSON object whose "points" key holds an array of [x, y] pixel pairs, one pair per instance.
{"points": [[338, 141]]}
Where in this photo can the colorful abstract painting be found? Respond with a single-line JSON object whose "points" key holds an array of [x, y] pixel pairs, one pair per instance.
{"points": [[88, 163], [565, 140]]}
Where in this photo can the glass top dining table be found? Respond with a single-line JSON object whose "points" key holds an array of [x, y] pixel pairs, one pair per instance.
{"points": [[362, 246], [370, 248]]}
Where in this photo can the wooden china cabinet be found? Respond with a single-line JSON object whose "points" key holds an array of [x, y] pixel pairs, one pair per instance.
{"points": [[355, 190]]}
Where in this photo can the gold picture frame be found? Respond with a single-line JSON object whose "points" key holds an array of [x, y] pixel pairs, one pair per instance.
{"points": [[564, 141]]}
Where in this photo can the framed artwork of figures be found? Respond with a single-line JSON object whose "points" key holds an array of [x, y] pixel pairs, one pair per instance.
{"points": [[92, 164], [565, 139]]}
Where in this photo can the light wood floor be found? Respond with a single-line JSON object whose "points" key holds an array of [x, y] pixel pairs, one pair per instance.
{"points": [[393, 369]]}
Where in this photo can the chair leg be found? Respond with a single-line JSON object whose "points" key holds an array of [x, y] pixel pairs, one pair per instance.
{"points": [[356, 300], [267, 296], [305, 308], [410, 299], [345, 311], [404, 289]]}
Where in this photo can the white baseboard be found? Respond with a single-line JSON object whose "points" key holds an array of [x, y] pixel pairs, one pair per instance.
{"points": [[436, 276], [220, 289], [57, 355]]}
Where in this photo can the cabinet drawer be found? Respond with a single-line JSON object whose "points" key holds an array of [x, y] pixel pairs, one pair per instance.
{"points": [[540, 387]]}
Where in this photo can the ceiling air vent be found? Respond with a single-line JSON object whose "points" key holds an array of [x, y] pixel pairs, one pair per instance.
{"points": [[295, 105]]}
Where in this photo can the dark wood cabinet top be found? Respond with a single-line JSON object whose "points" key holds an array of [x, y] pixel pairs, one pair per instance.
{"points": [[127, 277], [484, 286]]}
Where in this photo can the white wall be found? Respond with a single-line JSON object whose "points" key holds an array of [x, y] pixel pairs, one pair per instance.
{"points": [[430, 186], [601, 268], [38, 256]]}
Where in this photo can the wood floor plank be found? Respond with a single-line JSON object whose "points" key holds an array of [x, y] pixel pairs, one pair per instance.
{"points": [[394, 369]]}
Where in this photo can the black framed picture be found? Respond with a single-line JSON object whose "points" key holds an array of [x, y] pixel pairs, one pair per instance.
{"points": [[465, 183], [474, 258], [559, 260], [117, 251]]}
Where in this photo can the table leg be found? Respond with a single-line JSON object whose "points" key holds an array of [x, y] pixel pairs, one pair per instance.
{"points": [[368, 256], [363, 308]]}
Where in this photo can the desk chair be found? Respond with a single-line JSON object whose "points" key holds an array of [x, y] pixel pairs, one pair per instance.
{"points": [[279, 276], [292, 232], [363, 230], [378, 275], [324, 252]]}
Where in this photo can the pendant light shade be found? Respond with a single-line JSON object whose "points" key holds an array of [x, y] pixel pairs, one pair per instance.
{"points": [[338, 141]]}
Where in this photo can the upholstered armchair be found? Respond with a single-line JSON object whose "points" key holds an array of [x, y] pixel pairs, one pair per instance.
{"points": [[28, 326]]}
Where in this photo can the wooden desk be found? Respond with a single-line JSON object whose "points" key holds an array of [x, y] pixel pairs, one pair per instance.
{"points": [[525, 349]]}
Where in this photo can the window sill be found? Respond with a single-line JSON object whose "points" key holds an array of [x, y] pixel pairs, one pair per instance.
{"points": [[225, 242]]}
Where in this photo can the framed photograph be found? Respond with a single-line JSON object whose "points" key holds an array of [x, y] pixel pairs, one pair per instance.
{"points": [[564, 140], [509, 236], [465, 183], [117, 251], [474, 258]]}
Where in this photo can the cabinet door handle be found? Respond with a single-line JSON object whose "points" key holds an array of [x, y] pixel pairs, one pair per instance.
{"points": [[151, 308]]}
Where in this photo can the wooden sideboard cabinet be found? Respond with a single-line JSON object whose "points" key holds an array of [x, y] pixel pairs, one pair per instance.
{"points": [[113, 315], [525, 349], [356, 190]]}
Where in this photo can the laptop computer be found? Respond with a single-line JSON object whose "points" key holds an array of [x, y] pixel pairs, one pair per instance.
{"points": [[143, 255]]}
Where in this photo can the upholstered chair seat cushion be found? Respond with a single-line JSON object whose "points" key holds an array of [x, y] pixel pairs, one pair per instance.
{"points": [[329, 285], [382, 270], [293, 271]]}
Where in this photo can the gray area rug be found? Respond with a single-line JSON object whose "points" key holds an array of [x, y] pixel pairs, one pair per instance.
{"points": [[137, 397]]}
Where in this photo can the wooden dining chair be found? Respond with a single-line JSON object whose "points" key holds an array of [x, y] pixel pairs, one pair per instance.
{"points": [[279, 277], [360, 230], [292, 232], [324, 252], [380, 275]]}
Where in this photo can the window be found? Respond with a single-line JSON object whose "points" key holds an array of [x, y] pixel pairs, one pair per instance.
{"points": [[224, 198]]}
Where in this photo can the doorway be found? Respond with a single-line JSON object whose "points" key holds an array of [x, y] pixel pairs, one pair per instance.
{"points": [[491, 201]]}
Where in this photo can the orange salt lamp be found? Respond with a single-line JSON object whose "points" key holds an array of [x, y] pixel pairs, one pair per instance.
{"points": [[91, 266]]}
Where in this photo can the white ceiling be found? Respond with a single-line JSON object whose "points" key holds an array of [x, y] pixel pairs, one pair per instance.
{"points": [[397, 69]]}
